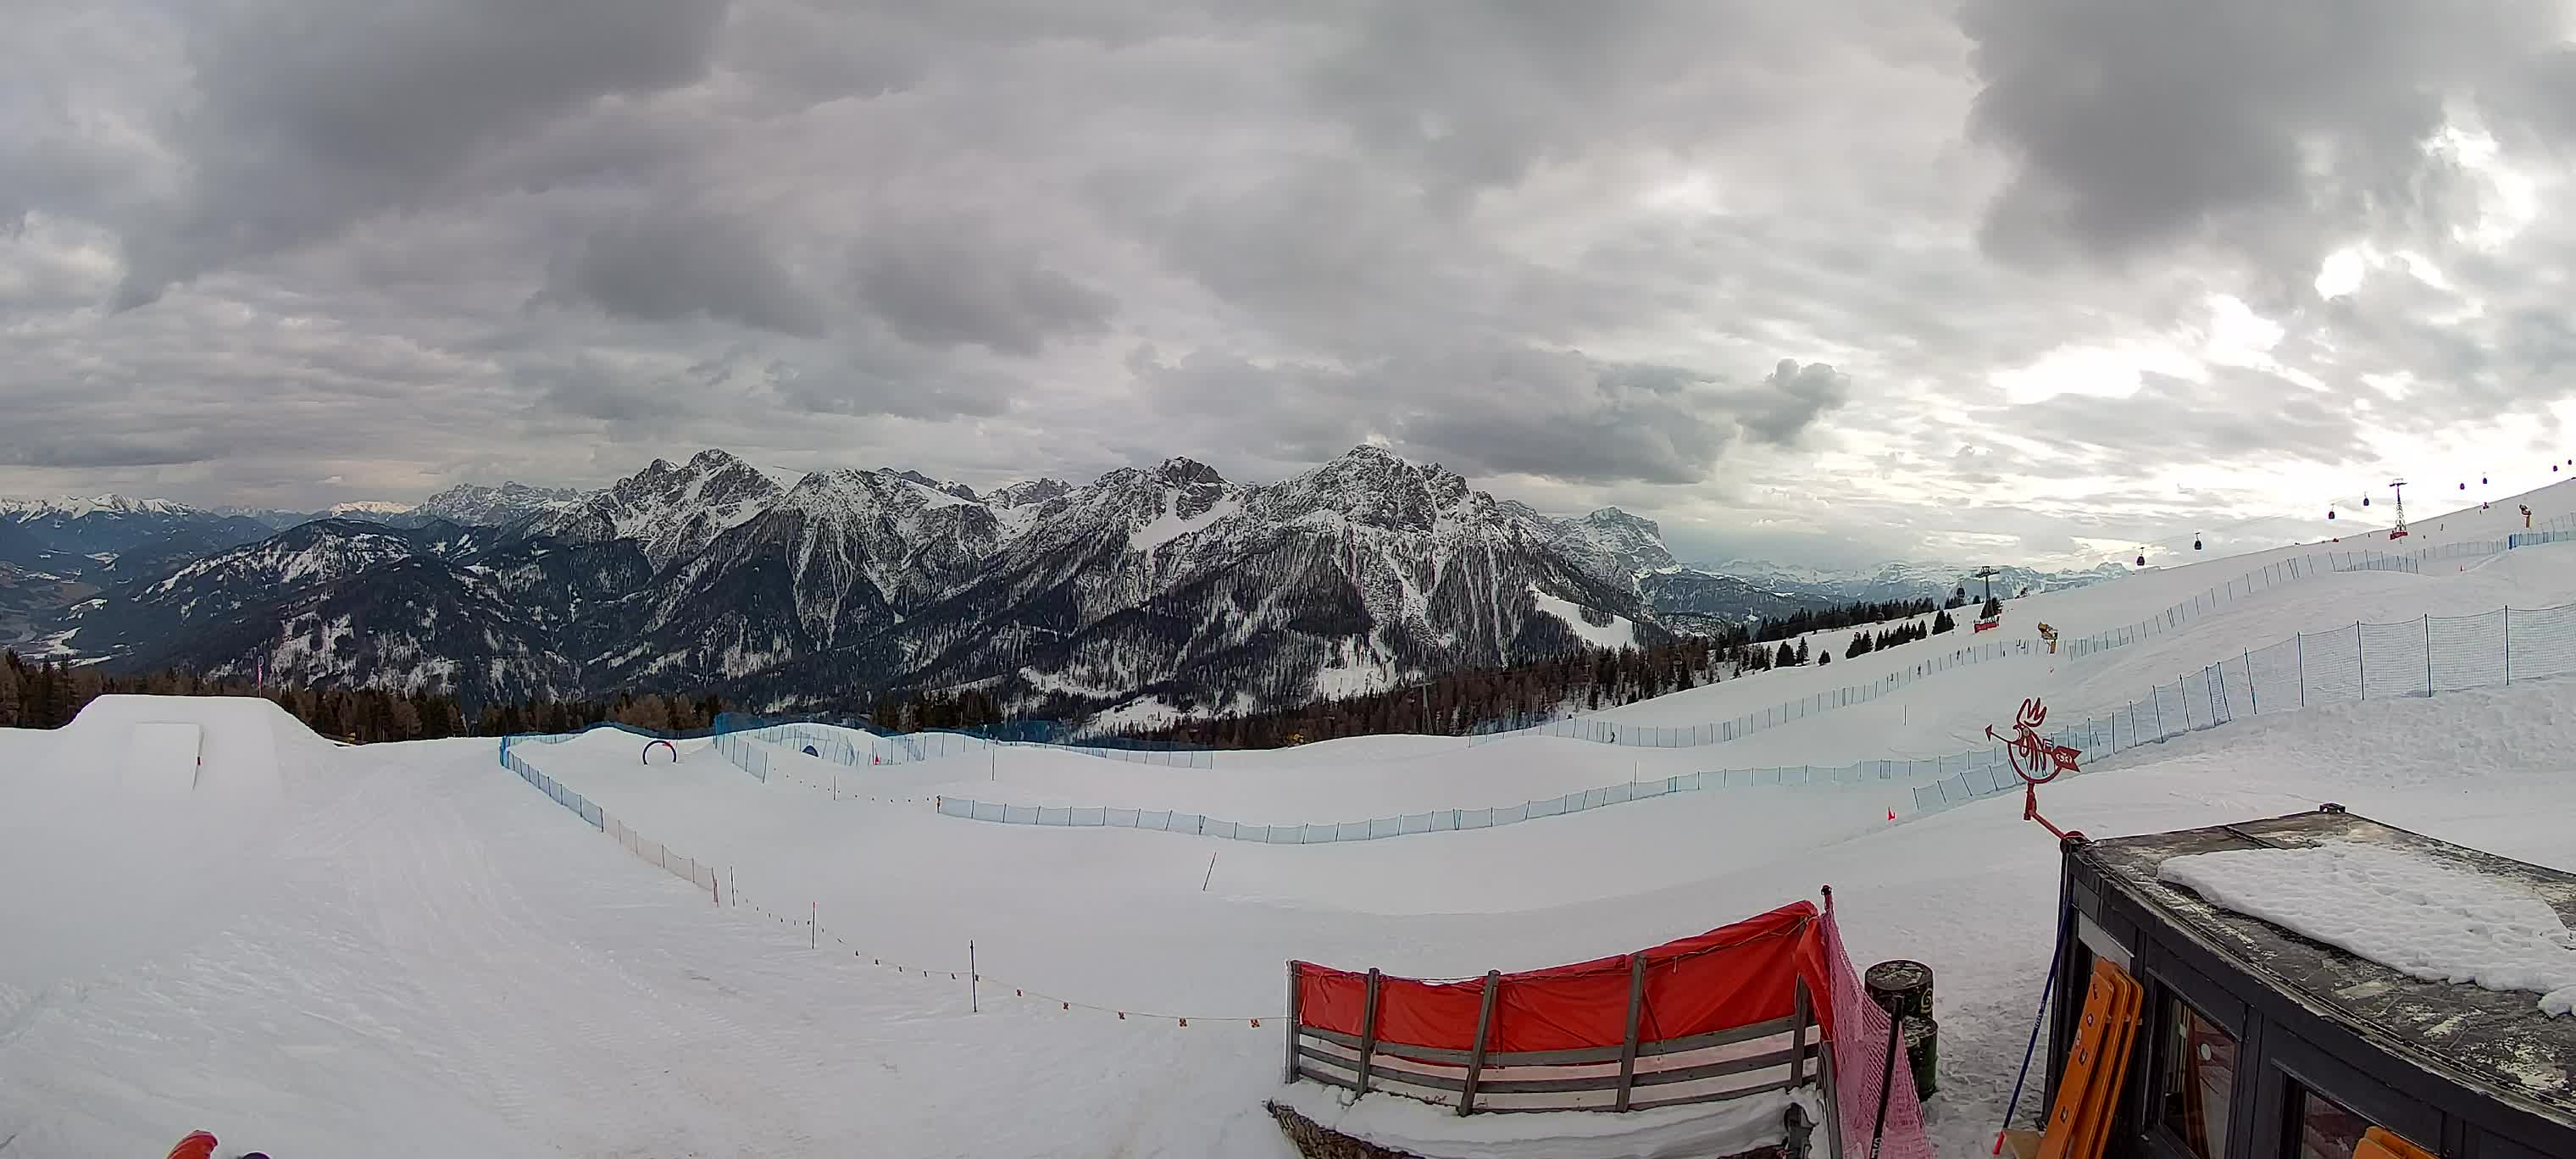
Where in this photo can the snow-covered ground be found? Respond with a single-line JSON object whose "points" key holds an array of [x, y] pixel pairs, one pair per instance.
{"points": [[404, 949]]}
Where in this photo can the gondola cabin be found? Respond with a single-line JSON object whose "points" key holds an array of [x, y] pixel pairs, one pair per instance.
{"points": [[2249, 1041]]}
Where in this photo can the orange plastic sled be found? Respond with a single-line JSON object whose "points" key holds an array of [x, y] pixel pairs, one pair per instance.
{"points": [[2378, 1143], [2088, 1093], [198, 1145]]}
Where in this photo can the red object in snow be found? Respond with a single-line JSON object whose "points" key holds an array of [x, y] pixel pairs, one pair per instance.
{"points": [[2400, 533], [1983, 625], [1733, 976], [198, 1145], [2037, 761]]}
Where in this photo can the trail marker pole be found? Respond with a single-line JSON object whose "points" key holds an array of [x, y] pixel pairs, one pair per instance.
{"points": [[1211, 870], [814, 923], [974, 982]]}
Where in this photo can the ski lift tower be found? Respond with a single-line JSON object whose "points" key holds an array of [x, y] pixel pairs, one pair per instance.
{"points": [[2399, 531], [1987, 574]]}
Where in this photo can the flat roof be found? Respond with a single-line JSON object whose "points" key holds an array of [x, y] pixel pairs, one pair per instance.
{"points": [[2497, 1039]]}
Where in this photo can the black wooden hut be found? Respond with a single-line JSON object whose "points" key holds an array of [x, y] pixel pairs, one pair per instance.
{"points": [[2256, 1043]]}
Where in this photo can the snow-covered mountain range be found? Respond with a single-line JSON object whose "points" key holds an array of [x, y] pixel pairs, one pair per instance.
{"points": [[1906, 581], [1171, 589]]}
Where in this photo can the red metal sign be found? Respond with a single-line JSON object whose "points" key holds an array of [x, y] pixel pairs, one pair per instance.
{"points": [[2037, 760]]}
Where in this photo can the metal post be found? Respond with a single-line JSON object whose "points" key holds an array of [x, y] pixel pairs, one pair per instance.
{"points": [[1484, 1030], [1887, 1081], [2428, 655], [974, 981], [2300, 641], [1637, 1007], [1368, 1028], [2360, 660], [1832, 1099], [1294, 1009], [2252, 697]]}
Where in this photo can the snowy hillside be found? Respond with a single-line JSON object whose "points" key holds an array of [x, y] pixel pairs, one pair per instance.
{"points": [[397, 942], [479, 506]]}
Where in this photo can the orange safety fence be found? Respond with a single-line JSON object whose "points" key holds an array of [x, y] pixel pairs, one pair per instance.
{"points": [[1737, 975]]}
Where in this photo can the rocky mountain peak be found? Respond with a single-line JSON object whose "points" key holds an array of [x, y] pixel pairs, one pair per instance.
{"points": [[1029, 493]]}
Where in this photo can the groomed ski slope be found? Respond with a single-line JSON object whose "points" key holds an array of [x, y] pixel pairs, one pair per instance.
{"points": [[405, 950]]}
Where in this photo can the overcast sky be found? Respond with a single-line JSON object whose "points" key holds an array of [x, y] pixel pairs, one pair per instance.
{"points": [[2026, 279]]}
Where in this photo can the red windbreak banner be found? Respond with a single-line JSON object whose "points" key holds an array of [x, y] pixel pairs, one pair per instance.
{"points": [[1733, 976]]}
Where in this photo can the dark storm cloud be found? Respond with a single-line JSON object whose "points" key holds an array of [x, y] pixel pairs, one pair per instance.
{"points": [[28, 448], [1570, 243], [315, 114], [659, 267], [895, 381], [951, 283], [1553, 414], [2276, 128]]}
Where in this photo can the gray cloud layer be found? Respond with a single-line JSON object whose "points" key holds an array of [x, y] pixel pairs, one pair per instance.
{"points": [[1764, 271]]}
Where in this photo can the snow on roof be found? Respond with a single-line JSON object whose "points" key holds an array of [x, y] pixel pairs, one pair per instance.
{"points": [[2413, 914], [2429, 894]]}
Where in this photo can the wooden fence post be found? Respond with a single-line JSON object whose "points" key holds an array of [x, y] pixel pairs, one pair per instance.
{"points": [[1628, 1047], [1832, 1098], [1368, 1027], [1484, 1031], [1295, 1008], [1798, 1039]]}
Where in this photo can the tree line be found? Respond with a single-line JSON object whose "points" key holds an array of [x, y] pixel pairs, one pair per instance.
{"points": [[49, 694], [1458, 702]]}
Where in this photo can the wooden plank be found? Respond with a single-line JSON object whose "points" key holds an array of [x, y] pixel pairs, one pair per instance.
{"points": [[1573, 1057], [1294, 1009], [1831, 1097], [1368, 1027], [1718, 1097], [1636, 1007], [1484, 1034], [1798, 1038], [1499, 1080]]}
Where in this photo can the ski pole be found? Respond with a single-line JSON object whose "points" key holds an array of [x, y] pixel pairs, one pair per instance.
{"points": [[2045, 987], [1886, 1081]]}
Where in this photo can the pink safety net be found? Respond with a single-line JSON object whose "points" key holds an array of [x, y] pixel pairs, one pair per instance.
{"points": [[1862, 1038]]}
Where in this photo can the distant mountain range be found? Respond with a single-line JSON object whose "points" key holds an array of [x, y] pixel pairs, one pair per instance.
{"points": [[1163, 590]]}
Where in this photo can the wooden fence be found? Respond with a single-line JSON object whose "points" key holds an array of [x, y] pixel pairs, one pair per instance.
{"points": [[1636, 1075]]}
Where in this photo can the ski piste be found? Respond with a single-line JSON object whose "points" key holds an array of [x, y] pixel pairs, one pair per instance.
{"points": [[405, 940]]}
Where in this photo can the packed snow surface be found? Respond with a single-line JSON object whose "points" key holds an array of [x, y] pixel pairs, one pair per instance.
{"points": [[2406, 911], [1418, 1128], [1618, 633], [405, 949]]}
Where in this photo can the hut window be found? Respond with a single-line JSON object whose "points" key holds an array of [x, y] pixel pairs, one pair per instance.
{"points": [[2321, 1128], [2199, 1073]]}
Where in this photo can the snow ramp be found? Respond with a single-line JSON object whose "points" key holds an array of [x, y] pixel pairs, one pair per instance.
{"points": [[238, 748], [138, 828]]}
